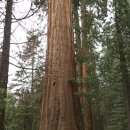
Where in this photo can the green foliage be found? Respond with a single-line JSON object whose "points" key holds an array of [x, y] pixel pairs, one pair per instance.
{"points": [[25, 94], [104, 80], [23, 109]]}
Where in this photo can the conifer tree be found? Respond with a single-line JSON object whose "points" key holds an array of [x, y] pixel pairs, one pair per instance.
{"points": [[61, 106], [85, 69], [5, 62]]}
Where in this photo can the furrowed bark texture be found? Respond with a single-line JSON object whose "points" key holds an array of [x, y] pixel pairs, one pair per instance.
{"points": [[5, 62], [85, 73], [61, 107]]}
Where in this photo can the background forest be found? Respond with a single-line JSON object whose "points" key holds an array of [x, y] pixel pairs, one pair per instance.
{"points": [[102, 60]]}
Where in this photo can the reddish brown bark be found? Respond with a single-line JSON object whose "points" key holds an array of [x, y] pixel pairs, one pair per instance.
{"points": [[61, 107], [85, 52], [86, 105]]}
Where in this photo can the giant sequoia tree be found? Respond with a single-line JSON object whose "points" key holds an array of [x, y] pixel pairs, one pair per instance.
{"points": [[61, 107]]}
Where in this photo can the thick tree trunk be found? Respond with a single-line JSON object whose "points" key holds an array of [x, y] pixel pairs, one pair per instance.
{"points": [[5, 62], [61, 107], [85, 51]]}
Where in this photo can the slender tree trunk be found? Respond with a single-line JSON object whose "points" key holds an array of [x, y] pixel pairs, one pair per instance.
{"points": [[85, 51], [5, 62], [61, 107], [123, 64], [98, 117], [77, 27], [77, 42]]}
